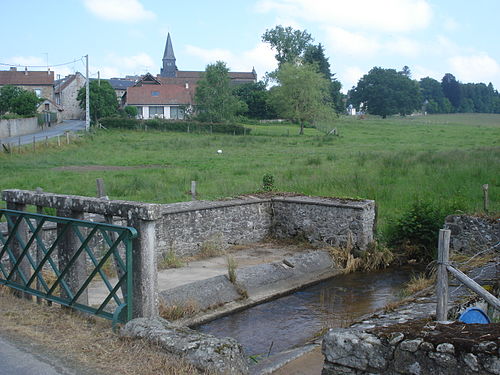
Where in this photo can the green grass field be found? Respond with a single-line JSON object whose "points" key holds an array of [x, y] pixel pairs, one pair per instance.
{"points": [[441, 158]]}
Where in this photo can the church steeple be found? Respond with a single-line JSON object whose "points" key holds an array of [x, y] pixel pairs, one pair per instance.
{"points": [[169, 69]]}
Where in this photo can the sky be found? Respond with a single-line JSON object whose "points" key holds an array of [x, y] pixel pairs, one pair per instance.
{"points": [[127, 37]]}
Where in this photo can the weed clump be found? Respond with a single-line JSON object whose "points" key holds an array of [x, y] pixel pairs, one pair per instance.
{"points": [[170, 260], [268, 182], [178, 311]]}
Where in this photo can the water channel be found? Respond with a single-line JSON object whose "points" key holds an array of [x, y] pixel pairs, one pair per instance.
{"points": [[293, 320]]}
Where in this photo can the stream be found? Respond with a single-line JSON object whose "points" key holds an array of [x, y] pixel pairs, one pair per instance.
{"points": [[293, 320]]}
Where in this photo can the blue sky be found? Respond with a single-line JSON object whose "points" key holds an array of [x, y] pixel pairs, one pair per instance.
{"points": [[432, 37]]}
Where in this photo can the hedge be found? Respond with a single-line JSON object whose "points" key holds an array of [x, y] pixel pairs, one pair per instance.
{"points": [[172, 125]]}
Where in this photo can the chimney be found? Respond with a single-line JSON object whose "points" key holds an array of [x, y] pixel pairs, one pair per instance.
{"points": [[13, 69], [25, 70], [187, 85], [48, 71]]}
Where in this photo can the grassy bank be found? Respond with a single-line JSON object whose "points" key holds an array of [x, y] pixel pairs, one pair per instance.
{"points": [[443, 158]]}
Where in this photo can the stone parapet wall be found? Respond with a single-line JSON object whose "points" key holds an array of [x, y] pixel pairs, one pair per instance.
{"points": [[188, 226], [18, 126], [324, 220], [470, 234]]}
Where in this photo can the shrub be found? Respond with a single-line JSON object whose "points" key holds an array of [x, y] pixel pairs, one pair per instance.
{"points": [[268, 182], [416, 231], [173, 125]]}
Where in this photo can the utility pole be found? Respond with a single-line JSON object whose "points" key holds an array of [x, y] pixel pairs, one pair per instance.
{"points": [[87, 96]]}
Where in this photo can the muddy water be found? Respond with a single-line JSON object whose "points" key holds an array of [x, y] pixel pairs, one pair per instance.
{"points": [[293, 320]]}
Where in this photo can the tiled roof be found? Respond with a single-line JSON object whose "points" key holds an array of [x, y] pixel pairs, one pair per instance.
{"points": [[198, 75], [14, 77], [167, 94]]}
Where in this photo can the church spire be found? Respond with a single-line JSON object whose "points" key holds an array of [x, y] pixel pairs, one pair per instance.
{"points": [[169, 69]]}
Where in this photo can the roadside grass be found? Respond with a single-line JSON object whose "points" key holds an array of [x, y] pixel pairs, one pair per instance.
{"points": [[86, 343], [442, 158]]}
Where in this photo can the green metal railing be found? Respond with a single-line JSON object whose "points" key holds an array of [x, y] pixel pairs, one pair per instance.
{"points": [[45, 265]]}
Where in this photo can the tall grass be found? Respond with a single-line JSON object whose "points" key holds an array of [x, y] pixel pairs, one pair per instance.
{"points": [[443, 159]]}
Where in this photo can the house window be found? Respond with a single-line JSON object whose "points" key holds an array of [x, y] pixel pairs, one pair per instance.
{"points": [[58, 99], [155, 112], [139, 111], [47, 106], [38, 93], [155, 93], [176, 113]]}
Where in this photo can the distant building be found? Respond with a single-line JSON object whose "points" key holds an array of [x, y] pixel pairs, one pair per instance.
{"points": [[171, 93], [66, 92], [40, 82]]}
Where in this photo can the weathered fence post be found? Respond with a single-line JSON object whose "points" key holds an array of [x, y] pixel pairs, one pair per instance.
{"points": [[442, 275], [145, 271], [193, 190], [24, 267], [485, 197], [77, 273], [67, 138]]}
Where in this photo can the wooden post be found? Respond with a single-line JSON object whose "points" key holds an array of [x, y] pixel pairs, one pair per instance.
{"points": [[67, 138], [19, 144], [34, 145], [58, 141], [46, 141], [193, 190], [211, 130], [442, 275], [101, 189], [475, 287], [188, 128], [485, 197]]}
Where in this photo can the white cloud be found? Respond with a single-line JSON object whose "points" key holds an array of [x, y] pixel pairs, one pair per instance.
{"points": [[27, 61], [403, 46], [140, 62], [381, 15], [450, 24], [261, 57], [119, 10], [475, 68], [419, 72], [350, 77], [343, 41]]}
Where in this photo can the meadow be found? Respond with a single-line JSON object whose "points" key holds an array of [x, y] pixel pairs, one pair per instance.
{"points": [[443, 159]]}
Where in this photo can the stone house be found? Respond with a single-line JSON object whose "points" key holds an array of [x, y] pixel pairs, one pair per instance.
{"points": [[52, 112], [171, 93], [40, 82], [66, 92]]}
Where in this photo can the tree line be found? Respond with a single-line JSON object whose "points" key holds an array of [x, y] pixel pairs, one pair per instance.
{"points": [[387, 92]]}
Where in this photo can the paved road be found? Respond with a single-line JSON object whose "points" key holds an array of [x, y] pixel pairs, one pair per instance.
{"points": [[18, 360], [53, 131]]}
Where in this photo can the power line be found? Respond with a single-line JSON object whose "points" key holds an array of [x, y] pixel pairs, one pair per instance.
{"points": [[43, 66]]}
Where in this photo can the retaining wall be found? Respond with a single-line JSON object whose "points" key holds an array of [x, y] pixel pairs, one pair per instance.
{"points": [[18, 126], [469, 234], [189, 226]]}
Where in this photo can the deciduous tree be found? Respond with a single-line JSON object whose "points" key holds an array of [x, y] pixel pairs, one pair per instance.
{"points": [[16, 100], [301, 94], [214, 96], [288, 43], [103, 101], [387, 92]]}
